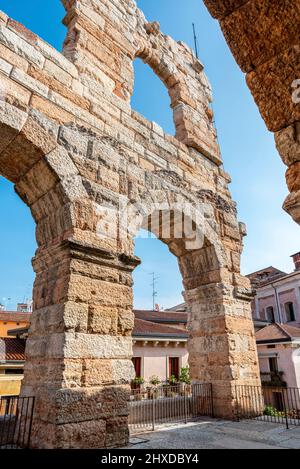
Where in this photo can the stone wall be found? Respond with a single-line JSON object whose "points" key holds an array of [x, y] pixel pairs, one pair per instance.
{"points": [[93, 172], [264, 38]]}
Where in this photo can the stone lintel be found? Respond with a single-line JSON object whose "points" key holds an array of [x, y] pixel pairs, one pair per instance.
{"points": [[88, 253]]}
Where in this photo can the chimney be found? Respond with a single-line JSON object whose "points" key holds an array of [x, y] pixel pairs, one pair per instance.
{"points": [[296, 259]]}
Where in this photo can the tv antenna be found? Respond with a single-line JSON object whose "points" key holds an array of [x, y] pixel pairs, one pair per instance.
{"points": [[195, 41], [154, 292]]}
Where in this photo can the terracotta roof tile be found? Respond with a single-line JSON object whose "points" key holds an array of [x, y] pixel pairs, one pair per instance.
{"points": [[265, 276], [161, 316], [151, 329], [14, 316], [12, 349], [277, 332]]}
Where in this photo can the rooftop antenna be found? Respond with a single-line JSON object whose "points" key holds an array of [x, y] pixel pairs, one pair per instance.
{"points": [[154, 292], [195, 41]]}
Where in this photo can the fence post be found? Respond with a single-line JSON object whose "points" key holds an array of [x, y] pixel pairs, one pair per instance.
{"points": [[237, 404], [212, 401], [285, 411], [185, 406], [153, 413]]}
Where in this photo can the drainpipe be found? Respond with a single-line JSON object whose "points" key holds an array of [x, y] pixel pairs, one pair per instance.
{"points": [[278, 304]]}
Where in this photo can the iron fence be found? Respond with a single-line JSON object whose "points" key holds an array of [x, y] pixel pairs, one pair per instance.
{"points": [[274, 404], [15, 421], [156, 405]]}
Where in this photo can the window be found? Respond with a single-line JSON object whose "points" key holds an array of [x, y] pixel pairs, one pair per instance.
{"points": [[137, 363], [14, 371], [174, 367], [270, 316], [273, 364], [290, 312]]}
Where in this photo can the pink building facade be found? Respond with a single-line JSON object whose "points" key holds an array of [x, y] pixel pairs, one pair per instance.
{"points": [[159, 345], [277, 301]]}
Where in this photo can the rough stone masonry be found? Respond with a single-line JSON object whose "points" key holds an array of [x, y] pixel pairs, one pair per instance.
{"points": [[264, 38], [77, 152]]}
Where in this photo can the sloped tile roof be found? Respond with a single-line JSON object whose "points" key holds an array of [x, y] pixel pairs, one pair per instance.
{"points": [[278, 332], [14, 316], [265, 276], [151, 329], [12, 349], [161, 316]]}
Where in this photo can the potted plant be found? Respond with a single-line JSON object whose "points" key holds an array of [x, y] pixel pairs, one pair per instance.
{"points": [[172, 389], [153, 391], [154, 380], [137, 382], [185, 378]]}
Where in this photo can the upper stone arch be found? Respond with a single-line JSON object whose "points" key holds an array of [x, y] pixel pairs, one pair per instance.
{"points": [[104, 51], [188, 87]]}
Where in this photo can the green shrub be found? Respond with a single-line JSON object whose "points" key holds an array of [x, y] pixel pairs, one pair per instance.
{"points": [[138, 381], [185, 375], [270, 411]]}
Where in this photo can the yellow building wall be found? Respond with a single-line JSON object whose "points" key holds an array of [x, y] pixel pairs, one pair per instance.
{"points": [[10, 325], [10, 386]]}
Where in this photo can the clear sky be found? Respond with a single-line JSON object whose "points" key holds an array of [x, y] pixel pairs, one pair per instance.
{"points": [[248, 151]]}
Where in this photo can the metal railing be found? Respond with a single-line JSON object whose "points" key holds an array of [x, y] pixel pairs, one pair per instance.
{"points": [[15, 421], [157, 405], [276, 404]]}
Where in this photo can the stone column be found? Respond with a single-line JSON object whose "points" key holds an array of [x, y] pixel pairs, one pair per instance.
{"points": [[222, 349], [79, 348]]}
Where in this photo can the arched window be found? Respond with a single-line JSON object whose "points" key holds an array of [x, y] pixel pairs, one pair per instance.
{"points": [[270, 315], [150, 97], [290, 312]]}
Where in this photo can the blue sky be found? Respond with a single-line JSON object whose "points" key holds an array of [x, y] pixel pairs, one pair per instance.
{"points": [[248, 151]]}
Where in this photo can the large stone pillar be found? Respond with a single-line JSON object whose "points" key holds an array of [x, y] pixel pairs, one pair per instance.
{"points": [[79, 347], [222, 348]]}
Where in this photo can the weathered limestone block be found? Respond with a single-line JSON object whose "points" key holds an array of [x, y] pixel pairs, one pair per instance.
{"points": [[12, 121], [293, 177], [271, 85], [260, 30], [221, 8], [288, 144], [292, 205]]}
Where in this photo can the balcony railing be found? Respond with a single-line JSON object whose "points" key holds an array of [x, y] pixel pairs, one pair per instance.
{"points": [[273, 378]]}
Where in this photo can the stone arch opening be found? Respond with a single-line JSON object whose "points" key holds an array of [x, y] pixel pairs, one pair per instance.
{"points": [[16, 249], [155, 258], [151, 99], [215, 310]]}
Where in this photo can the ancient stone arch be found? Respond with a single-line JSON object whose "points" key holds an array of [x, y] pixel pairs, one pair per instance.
{"points": [[263, 36], [84, 162]]}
